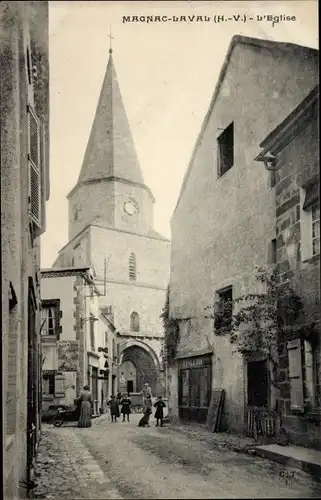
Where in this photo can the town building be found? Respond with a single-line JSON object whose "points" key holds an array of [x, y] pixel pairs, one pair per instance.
{"points": [[291, 152], [224, 221], [77, 340], [111, 231], [24, 115]]}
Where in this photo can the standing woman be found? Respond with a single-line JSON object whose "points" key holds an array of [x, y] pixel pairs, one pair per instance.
{"points": [[85, 402]]}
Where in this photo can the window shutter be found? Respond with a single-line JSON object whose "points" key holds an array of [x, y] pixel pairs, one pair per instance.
{"points": [[295, 374], [309, 371], [34, 167], [59, 386], [312, 195]]}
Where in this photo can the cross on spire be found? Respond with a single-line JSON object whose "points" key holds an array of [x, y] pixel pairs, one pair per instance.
{"points": [[111, 38]]}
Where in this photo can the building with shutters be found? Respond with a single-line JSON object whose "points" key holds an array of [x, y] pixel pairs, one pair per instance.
{"points": [[78, 340], [224, 225], [111, 221], [294, 147], [24, 156]]}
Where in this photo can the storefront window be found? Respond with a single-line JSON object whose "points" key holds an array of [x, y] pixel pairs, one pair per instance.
{"points": [[195, 387]]}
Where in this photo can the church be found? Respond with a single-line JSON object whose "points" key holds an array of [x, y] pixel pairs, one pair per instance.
{"points": [[111, 230]]}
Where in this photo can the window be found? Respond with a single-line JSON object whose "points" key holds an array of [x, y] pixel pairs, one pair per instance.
{"points": [[304, 374], [273, 251], [132, 266], [92, 332], [115, 349], [315, 210], [29, 65], [310, 221], [48, 385], [48, 320], [224, 310], [225, 148], [134, 322], [272, 178]]}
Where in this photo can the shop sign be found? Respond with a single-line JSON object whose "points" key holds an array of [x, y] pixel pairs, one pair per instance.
{"points": [[195, 362]]}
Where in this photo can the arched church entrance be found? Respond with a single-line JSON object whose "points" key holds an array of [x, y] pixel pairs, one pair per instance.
{"points": [[137, 368], [127, 377]]}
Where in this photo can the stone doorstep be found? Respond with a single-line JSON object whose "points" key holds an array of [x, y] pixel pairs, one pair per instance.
{"points": [[306, 459]]}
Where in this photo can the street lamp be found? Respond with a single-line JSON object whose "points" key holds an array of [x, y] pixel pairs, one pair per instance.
{"points": [[84, 320]]}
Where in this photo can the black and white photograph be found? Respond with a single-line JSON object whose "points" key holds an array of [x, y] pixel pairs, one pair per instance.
{"points": [[160, 249]]}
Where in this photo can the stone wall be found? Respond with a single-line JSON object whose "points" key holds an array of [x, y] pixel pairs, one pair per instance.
{"points": [[20, 242], [223, 226], [298, 164]]}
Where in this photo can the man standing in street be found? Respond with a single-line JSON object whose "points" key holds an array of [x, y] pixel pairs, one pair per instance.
{"points": [[146, 393]]}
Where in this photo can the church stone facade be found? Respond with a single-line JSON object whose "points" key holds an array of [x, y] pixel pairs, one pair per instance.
{"points": [[111, 230]]}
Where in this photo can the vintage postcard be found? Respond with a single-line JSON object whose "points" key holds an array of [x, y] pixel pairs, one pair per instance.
{"points": [[160, 249]]}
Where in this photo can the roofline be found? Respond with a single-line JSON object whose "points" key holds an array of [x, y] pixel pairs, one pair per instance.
{"points": [[110, 178], [237, 39], [109, 323], [64, 269], [111, 229], [70, 271], [295, 121]]}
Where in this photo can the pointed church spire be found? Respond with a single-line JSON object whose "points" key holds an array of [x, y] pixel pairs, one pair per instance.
{"points": [[110, 151]]}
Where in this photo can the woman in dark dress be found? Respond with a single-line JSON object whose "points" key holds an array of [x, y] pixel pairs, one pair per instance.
{"points": [[125, 409], [84, 402]]}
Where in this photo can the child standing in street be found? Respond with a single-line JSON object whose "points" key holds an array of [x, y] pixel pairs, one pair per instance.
{"points": [[114, 408], [159, 413], [125, 409]]}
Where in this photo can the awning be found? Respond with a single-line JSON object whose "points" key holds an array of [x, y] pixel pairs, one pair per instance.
{"points": [[312, 195]]}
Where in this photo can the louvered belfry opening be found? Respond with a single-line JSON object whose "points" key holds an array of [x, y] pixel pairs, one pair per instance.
{"points": [[132, 267], [34, 167]]}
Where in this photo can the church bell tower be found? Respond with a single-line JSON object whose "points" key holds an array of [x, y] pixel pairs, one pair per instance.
{"points": [[110, 190]]}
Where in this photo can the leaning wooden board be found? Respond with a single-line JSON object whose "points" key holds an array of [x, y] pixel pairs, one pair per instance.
{"points": [[219, 413], [215, 409]]}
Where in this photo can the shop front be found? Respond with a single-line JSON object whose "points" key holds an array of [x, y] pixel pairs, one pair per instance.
{"points": [[195, 385]]}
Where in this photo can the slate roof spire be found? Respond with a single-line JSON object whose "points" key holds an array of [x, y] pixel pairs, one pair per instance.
{"points": [[110, 151]]}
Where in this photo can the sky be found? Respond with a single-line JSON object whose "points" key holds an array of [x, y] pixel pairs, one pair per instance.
{"points": [[167, 73]]}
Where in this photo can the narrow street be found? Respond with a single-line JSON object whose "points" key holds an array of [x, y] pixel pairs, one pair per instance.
{"points": [[120, 460]]}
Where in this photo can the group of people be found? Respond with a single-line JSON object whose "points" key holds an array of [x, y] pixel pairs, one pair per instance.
{"points": [[125, 403], [84, 407], [117, 401]]}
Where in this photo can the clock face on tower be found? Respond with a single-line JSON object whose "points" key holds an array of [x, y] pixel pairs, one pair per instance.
{"points": [[130, 207]]}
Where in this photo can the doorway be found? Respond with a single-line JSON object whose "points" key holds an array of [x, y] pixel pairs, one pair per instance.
{"points": [[257, 384], [130, 386], [32, 385]]}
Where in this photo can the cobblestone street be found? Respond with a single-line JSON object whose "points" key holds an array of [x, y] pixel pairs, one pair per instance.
{"points": [[113, 461]]}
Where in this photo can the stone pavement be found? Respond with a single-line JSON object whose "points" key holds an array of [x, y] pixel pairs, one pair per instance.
{"points": [[245, 444], [221, 440], [120, 460], [65, 468]]}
